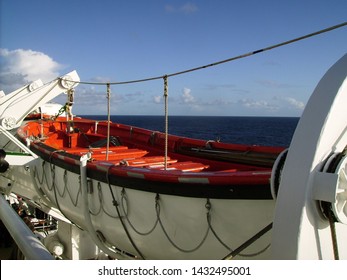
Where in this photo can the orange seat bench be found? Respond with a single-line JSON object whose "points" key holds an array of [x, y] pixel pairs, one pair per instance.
{"points": [[187, 166], [102, 150], [152, 161], [125, 154]]}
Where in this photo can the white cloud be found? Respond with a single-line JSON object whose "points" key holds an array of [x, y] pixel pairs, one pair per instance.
{"points": [[187, 97], [278, 105], [187, 8], [19, 67], [258, 104], [295, 103], [170, 8], [218, 102], [157, 99], [90, 99]]}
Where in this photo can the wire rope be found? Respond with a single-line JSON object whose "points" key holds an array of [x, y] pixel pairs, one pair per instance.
{"points": [[217, 62]]}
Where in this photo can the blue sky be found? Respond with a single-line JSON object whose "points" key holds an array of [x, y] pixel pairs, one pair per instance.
{"points": [[113, 40]]}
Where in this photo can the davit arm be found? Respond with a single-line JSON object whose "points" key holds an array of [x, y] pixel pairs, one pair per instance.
{"points": [[15, 106]]}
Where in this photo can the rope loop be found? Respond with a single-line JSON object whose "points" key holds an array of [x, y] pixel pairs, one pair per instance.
{"points": [[157, 201], [208, 205]]}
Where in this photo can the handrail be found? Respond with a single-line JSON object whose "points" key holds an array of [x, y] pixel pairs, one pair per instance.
{"points": [[25, 239]]}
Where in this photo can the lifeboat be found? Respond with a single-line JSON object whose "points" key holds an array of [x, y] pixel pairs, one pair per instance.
{"points": [[135, 159], [199, 200]]}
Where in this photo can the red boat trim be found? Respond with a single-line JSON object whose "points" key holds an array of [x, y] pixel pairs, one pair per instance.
{"points": [[174, 183]]}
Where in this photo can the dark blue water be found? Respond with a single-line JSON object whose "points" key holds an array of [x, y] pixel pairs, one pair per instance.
{"points": [[269, 131]]}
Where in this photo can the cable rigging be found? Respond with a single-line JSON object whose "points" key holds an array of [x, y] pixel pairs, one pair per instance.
{"points": [[218, 62]]}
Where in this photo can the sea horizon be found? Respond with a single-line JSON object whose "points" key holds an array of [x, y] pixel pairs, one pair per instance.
{"points": [[267, 131]]}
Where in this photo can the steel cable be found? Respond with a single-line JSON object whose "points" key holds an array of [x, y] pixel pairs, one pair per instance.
{"points": [[218, 62]]}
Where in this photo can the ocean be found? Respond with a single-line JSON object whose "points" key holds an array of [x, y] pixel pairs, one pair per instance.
{"points": [[268, 131]]}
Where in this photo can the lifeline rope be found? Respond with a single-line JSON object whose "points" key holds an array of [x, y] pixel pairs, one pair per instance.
{"points": [[108, 119], [237, 251], [124, 198], [166, 119], [116, 205], [101, 205], [38, 189], [157, 208], [52, 188]]}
